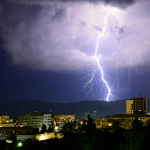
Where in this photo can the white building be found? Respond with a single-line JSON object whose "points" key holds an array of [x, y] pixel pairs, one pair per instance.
{"points": [[47, 120], [25, 137]]}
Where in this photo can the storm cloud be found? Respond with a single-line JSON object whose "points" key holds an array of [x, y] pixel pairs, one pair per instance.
{"points": [[37, 35], [52, 38], [117, 3]]}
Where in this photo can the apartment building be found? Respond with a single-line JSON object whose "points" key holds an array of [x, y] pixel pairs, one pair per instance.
{"points": [[61, 119], [36, 120], [136, 105], [114, 122]]}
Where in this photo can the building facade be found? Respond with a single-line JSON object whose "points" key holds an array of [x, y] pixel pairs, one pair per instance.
{"points": [[6, 133], [36, 120], [64, 118], [114, 122], [24, 137], [39, 137], [136, 106], [5, 121], [46, 136]]}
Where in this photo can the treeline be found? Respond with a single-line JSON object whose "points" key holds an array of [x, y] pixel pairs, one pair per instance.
{"points": [[90, 138]]}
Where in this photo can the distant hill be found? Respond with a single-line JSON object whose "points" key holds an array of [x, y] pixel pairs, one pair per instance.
{"points": [[95, 108]]}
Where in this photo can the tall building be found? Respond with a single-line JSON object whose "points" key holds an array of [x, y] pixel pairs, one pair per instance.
{"points": [[136, 105], [63, 118], [36, 120]]}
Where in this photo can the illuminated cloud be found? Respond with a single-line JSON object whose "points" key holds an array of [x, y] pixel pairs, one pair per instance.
{"points": [[29, 32]]}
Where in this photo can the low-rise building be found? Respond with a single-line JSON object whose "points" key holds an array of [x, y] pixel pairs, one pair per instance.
{"points": [[61, 119], [82, 122], [9, 132], [24, 137], [39, 137], [113, 122], [5, 121], [46, 136]]}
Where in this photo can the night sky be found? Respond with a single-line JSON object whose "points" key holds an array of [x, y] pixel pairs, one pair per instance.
{"points": [[47, 49]]}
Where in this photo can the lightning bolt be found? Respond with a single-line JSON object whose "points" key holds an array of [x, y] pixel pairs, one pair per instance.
{"points": [[96, 51], [96, 63]]}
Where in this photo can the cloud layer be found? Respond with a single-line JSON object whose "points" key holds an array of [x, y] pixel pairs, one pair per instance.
{"points": [[37, 35], [123, 4]]}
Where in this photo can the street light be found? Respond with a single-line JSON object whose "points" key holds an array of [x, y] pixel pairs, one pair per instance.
{"points": [[20, 144]]}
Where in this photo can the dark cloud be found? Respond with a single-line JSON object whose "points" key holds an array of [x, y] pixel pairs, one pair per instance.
{"points": [[97, 28], [117, 3], [119, 30], [83, 23], [59, 15]]}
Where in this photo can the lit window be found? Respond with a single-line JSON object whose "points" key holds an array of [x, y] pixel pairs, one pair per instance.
{"points": [[110, 124]]}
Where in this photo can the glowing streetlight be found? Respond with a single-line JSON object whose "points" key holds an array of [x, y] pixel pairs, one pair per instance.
{"points": [[20, 144]]}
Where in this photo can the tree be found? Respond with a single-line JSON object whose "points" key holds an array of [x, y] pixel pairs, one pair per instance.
{"points": [[96, 144], [43, 128], [119, 138], [68, 126], [75, 141], [50, 129], [136, 135], [147, 137], [90, 129]]}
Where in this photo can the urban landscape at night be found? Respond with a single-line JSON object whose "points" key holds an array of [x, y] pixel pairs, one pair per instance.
{"points": [[38, 130], [75, 74]]}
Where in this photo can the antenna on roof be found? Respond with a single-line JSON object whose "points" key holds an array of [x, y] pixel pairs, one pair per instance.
{"points": [[133, 96]]}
